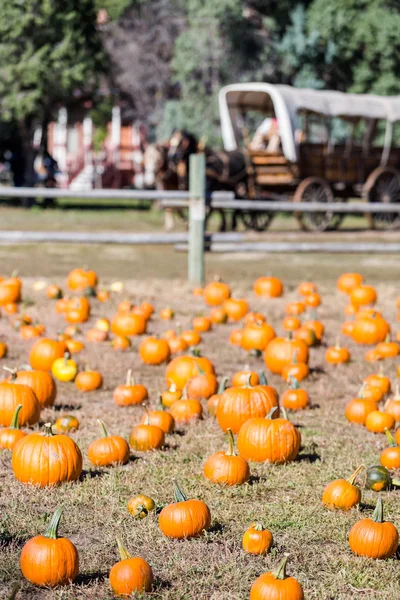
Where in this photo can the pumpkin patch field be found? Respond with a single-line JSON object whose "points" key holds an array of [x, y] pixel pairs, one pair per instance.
{"points": [[238, 441]]}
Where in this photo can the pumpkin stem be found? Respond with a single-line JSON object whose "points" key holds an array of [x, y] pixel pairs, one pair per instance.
{"points": [[67, 356], [13, 373], [14, 422], [103, 428], [390, 438], [337, 345], [172, 388], [271, 412], [123, 552], [380, 371], [222, 385], [196, 352], [231, 442], [280, 571], [396, 392], [129, 378], [147, 418], [284, 413], [263, 379], [52, 529], [258, 526], [48, 430], [387, 338], [179, 495], [293, 383], [247, 383], [200, 370], [294, 361], [378, 512], [353, 477], [361, 391]]}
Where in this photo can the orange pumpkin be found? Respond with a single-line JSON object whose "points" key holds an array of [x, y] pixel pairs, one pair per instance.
{"points": [[342, 493], [184, 518], [370, 329], [379, 380], [121, 342], [163, 419], [130, 574], [154, 351], [191, 337], [146, 437], [10, 436], [257, 540], [374, 538], [214, 399], [45, 459], [54, 292], [3, 349], [291, 323], [66, 423], [377, 421], [387, 349], [218, 316], [128, 324], [348, 281], [202, 324], [201, 386], [44, 352], [183, 368], [216, 293], [10, 291], [241, 378], [254, 317], [268, 287], [269, 440], [312, 300], [13, 394], [78, 310], [336, 354], [277, 586], [295, 397], [256, 337], [236, 308], [358, 409], [74, 346], [177, 345], [167, 314], [80, 279], [281, 351], [392, 406], [108, 450], [169, 396], [306, 287], [363, 295], [88, 381], [227, 468], [130, 392], [42, 384], [48, 560], [295, 369], [186, 410], [235, 337], [390, 456], [295, 308], [239, 404]]}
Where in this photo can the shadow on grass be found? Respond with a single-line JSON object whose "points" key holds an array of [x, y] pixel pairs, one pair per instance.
{"points": [[161, 584], [88, 578], [92, 474], [309, 454], [68, 407], [7, 540]]}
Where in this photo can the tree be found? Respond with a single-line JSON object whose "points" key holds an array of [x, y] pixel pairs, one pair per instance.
{"points": [[50, 54]]}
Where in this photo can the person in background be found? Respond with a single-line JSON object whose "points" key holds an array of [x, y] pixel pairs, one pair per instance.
{"points": [[266, 136]]}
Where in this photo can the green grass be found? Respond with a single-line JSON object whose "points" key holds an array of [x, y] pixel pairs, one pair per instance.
{"points": [[287, 499]]}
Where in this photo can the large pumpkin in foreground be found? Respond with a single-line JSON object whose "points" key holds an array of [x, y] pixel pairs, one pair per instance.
{"points": [[46, 459]]}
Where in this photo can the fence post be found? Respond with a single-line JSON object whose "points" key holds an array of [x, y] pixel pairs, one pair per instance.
{"points": [[197, 213]]}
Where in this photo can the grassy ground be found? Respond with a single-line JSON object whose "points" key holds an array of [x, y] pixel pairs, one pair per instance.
{"points": [[285, 498]]}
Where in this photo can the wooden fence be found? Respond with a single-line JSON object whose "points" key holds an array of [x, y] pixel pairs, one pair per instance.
{"points": [[194, 240]]}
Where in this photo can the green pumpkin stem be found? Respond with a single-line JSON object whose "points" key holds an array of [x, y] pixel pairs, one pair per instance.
{"points": [[123, 552], [222, 385], [179, 495], [231, 443], [284, 413], [293, 383], [378, 512], [271, 412], [196, 352], [263, 379], [13, 373], [289, 335], [247, 383], [14, 422], [200, 370], [390, 438], [48, 430], [353, 477], [294, 361], [52, 529], [103, 428], [258, 526], [280, 571], [146, 410], [361, 391]]}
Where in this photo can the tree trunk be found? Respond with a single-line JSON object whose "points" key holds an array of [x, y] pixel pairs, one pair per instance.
{"points": [[26, 128]]}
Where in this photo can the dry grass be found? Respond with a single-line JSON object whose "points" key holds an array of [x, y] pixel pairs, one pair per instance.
{"points": [[287, 499]]}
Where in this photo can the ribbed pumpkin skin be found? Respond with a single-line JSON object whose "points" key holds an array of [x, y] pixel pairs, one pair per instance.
{"points": [[375, 540], [131, 575], [47, 562], [269, 440], [266, 587], [163, 419], [238, 404], [109, 450], [146, 437], [370, 330], [46, 460], [126, 395], [10, 437], [226, 470], [185, 411], [42, 384], [341, 494], [184, 519], [201, 387], [12, 394], [183, 368], [257, 541]]}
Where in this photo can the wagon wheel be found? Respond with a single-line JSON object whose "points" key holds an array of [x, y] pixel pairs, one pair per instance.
{"points": [[314, 189], [256, 220], [383, 185]]}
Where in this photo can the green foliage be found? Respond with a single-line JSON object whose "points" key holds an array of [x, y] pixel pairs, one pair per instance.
{"points": [[49, 53]]}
